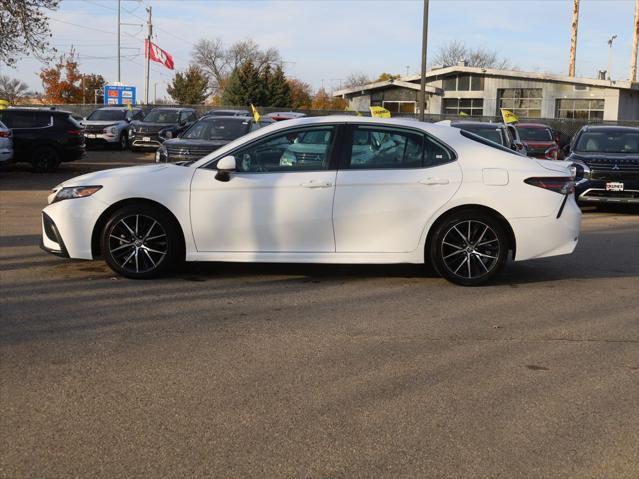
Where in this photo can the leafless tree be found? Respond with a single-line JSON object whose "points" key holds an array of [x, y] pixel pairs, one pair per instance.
{"points": [[12, 89], [456, 51], [218, 61], [24, 29], [356, 79]]}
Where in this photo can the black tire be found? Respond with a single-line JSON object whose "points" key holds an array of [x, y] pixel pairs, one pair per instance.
{"points": [[469, 248], [135, 149], [45, 159], [141, 241], [123, 142]]}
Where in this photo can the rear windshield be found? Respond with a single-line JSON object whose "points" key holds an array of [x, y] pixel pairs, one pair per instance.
{"points": [[484, 141], [217, 129], [107, 115], [535, 134], [163, 116], [621, 141]]}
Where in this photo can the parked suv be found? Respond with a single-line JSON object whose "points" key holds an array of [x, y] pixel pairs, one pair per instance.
{"points": [[110, 126], [44, 137], [541, 142], [146, 133], [606, 159], [206, 135], [504, 135]]}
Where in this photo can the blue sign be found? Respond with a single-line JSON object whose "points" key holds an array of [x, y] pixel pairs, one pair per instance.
{"points": [[119, 95]]}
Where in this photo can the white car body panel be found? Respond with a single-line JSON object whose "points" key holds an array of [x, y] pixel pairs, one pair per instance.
{"points": [[375, 216], [6, 145]]}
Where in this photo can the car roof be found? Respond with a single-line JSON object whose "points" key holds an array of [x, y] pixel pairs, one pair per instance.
{"points": [[118, 108], [477, 124], [604, 128]]}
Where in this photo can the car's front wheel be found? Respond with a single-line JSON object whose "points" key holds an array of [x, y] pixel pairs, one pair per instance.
{"points": [[124, 141], [469, 248], [140, 241]]}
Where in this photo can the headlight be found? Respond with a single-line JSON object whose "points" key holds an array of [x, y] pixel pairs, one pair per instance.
{"points": [[75, 192], [113, 130]]}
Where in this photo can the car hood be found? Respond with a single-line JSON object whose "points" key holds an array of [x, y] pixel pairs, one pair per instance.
{"points": [[199, 144], [96, 178], [602, 157], [101, 123], [153, 126]]}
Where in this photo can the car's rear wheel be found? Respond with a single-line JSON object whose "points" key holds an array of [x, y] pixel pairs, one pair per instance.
{"points": [[45, 159], [140, 241], [469, 248]]}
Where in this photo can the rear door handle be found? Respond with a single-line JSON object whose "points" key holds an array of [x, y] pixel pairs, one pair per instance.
{"points": [[435, 181], [316, 184]]}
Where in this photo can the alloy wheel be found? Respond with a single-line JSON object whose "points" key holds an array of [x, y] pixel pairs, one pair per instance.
{"points": [[470, 249], [138, 243]]}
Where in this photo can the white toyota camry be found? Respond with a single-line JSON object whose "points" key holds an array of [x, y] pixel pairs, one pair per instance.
{"points": [[324, 190]]}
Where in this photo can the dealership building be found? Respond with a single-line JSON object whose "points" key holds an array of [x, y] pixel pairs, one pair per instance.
{"points": [[475, 91]]}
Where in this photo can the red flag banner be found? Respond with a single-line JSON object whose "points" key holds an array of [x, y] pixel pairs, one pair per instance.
{"points": [[157, 54]]}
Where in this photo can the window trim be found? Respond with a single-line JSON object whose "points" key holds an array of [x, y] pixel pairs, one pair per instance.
{"points": [[49, 125], [345, 154], [332, 157]]}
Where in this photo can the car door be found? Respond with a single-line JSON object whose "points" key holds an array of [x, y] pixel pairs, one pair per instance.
{"points": [[391, 182], [279, 199]]}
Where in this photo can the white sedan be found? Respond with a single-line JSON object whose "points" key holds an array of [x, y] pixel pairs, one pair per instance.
{"points": [[324, 190]]}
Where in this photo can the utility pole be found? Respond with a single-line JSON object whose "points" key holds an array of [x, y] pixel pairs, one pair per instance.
{"points": [[407, 69], [635, 45], [573, 38], [118, 41], [610, 40], [147, 54], [422, 90]]}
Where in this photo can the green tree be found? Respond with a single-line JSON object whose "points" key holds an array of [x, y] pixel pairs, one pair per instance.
{"points": [[91, 83], [279, 92], [388, 76], [301, 93], [190, 87], [245, 87]]}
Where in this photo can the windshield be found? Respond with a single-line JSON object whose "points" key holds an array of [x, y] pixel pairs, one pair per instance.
{"points": [[107, 115], [535, 134], [621, 141], [163, 116], [215, 129], [492, 134]]}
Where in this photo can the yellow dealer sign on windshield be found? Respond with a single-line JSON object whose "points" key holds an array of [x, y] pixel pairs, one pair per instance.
{"points": [[4, 104]]}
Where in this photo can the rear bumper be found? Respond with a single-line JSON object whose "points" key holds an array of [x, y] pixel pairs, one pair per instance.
{"points": [[6, 155], [549, 235], [101, 139], [73, 153]]}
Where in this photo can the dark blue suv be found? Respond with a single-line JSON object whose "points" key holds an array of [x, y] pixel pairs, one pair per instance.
{"points": [[606, 159]]}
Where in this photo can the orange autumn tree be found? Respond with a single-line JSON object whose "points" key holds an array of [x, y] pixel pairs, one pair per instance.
{"points": [[62, 81]]}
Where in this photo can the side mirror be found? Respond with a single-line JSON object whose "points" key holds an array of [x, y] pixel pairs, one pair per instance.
{"points": [[224, 168]]}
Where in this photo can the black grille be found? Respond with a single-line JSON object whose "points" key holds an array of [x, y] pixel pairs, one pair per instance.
{"points": [[94, 129], [614, 165], [187, 153]]}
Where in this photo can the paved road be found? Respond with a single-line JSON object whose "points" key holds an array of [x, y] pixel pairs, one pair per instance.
{"points": [[315, 371]]}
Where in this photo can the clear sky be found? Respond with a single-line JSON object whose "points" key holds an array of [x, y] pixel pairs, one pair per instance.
{"points": [[325, 40]]}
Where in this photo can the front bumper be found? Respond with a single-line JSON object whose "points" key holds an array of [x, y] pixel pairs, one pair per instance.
{"points": [[100, 138], [594, 191], [51, 240], [146, 140]]}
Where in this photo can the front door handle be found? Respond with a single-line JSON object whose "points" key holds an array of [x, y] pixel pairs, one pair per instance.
{"points": [[435, 181], [316, 184]]}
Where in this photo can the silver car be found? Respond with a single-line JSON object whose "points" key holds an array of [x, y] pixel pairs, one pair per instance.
{"points": [[110, 126], [6, 144]]}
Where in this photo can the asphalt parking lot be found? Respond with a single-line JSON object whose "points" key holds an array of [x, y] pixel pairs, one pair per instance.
{"points": [[315, 371]]}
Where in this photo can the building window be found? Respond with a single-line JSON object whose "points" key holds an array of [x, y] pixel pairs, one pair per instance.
{"points": [[463, 83], [469, 106], [400, 106], [581, 109], [580, 87], [523, 102]]}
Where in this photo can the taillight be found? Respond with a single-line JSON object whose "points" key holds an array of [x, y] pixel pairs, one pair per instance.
{"points": [[5, 134], [559, 184], [74, 132], [552, 153]]}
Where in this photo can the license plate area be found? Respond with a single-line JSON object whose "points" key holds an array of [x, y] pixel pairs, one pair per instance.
{"points": [[614, 186]]}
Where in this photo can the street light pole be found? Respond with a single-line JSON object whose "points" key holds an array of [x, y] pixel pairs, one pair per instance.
{"points": [[610, 40], [118, 41], [422, 90]]}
